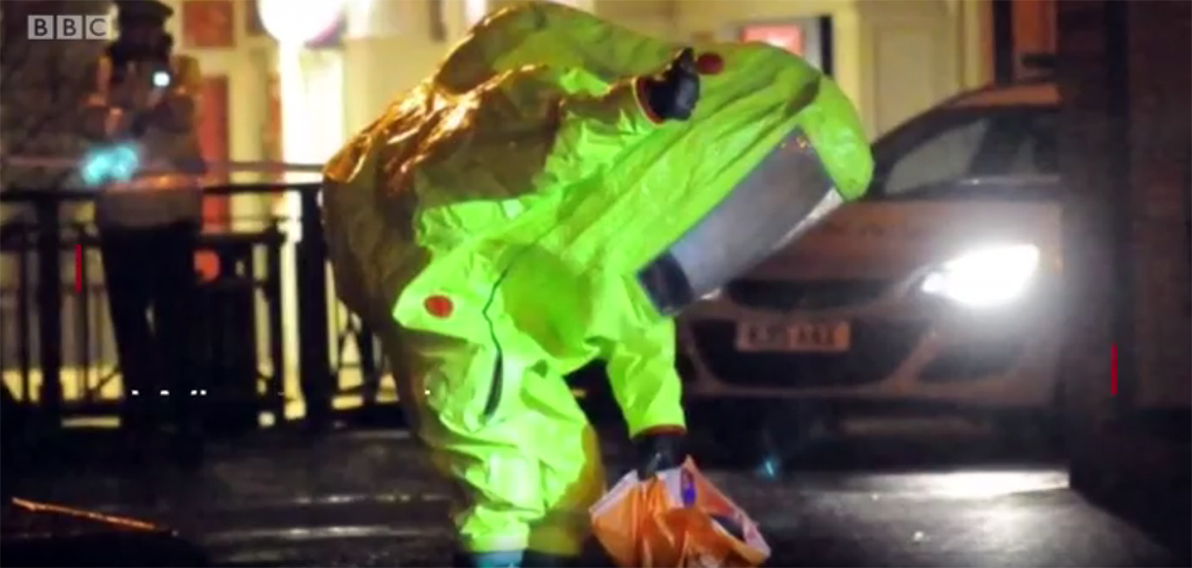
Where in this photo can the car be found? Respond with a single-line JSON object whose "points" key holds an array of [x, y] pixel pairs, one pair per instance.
{"points": [[936, 295]]}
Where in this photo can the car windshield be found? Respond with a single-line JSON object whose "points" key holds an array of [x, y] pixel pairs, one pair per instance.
{"points": [[953, 145]]}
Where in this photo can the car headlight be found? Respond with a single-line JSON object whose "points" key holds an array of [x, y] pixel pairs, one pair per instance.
{"points": [[984, 277]]}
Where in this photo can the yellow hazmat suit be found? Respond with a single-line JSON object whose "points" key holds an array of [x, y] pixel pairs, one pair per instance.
{"points": [[522, 213]]}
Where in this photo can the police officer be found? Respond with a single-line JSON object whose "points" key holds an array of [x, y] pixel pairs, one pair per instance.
{"points": [[147, 165]]}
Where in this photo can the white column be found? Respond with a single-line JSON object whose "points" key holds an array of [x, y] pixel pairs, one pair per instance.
{"points": [[312, 89], [293, 108], [311, 104], [389, 50]]}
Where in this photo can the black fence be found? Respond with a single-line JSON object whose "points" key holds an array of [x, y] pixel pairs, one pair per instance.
{"points": [[56, 344]]}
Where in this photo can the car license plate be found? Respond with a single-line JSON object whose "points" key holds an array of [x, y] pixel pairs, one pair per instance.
{"points": [[806, 337]]}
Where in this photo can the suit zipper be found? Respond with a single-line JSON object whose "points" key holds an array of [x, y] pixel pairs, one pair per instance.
{"points": [[496, 386], [497, 382]]}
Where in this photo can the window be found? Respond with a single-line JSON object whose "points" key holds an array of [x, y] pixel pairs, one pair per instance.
{"points": [[1037, 152], [997, 144], [945, 156]]}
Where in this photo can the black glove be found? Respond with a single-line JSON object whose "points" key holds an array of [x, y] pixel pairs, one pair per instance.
{"points": [[673, 94], [659, 450]]}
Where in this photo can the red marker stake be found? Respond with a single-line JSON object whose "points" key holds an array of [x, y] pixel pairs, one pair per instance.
{"points": [[1113, 370], [78, 268]]}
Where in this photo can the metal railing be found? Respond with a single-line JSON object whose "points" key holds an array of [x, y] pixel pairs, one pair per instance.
{"points": [[55, 325]]}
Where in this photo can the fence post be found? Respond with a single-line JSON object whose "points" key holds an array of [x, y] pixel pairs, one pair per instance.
{"points": [[277, 342], [49, 307], [314, 356], [370, 372]]}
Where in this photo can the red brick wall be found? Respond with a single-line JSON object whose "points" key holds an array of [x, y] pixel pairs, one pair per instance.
{"points": [[1090, 144], [1160, 87], [1125, 157]]}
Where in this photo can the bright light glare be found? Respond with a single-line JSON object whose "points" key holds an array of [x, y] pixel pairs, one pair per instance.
{"points": [[985, 484], [474, 10], [985, 277], [111, 164], [161, 79], [295, 22]]}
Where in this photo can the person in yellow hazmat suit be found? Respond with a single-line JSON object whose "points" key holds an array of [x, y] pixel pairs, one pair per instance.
{"points": [[146, 164], [555, 193]]}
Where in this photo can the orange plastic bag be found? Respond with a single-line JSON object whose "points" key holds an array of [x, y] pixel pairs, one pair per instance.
{"points": [[678, 519]]}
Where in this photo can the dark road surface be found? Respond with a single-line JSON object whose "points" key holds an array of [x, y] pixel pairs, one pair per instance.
{"points": [[368, 499]]}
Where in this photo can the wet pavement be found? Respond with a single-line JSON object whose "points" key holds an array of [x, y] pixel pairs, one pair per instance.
{"points": [[370, 499]]}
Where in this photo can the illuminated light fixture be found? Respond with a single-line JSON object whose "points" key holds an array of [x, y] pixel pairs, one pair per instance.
{"points": [[297, 22], [475, 10]]}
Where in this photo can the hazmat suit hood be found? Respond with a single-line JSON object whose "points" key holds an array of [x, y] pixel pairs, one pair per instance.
{"points": [[473, 189]]}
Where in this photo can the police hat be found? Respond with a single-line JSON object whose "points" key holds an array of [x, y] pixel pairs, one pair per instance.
{"points": [[142, 11]]}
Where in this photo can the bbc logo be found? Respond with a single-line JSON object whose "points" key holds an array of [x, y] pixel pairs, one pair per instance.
{"points": [[69, 27]]}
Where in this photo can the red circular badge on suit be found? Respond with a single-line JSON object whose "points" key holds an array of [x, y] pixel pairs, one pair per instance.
{"points": [[709, 63], [439, 306]]}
